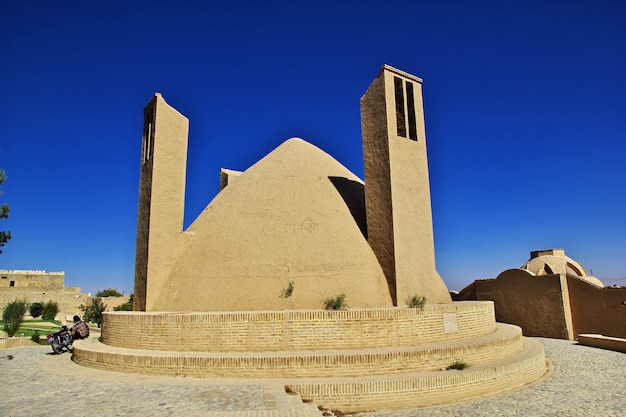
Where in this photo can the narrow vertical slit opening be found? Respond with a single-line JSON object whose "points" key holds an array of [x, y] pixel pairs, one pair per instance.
{"points": [[400, 119], [151, 141], [410, 102], [148, 136]]}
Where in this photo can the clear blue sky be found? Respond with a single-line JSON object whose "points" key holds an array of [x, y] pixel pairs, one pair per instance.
{"points": [[525, 105]]}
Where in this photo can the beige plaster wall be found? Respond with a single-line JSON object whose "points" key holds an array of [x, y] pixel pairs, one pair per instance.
{"points": [[556, 306], [161, 200], [31, 278], [597, 310], [378, 180], [69, 299], [535, 303], [112, 302], [397, 191], [40, 286]]}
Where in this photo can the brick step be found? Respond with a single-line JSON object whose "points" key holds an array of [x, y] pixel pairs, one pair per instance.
{"points": [[426, 388], [504, 342], [298, 330]]}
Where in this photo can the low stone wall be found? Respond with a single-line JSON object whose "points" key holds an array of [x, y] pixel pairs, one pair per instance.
{"points": [[424, 389], [602, 342], [12, 342], [69, 299], [505, 342], [351, 360], [597, 310], [298, 330]]}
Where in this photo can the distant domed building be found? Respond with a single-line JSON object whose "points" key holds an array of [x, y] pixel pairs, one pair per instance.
{"points": [[552, 295], [554, 261]]}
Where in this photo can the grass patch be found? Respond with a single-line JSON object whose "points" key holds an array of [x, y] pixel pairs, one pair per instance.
{"points": [[458, 365], [335, 303], [287, 291], [43, 322], [416, 302], [30, 327]]}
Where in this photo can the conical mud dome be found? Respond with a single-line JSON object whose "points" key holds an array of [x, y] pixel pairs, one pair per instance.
{"points": [[295, 216]]}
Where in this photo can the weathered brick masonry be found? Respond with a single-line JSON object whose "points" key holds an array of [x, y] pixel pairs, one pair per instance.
{"points": [[348, 360], [257, 331]]}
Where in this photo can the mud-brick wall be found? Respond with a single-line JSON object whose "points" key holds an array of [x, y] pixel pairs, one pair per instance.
{"points": [[535, 303], [31, 279], [68, 299], [597, 310], [298, 329]]}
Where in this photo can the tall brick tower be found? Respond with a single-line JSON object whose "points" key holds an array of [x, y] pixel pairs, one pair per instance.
{"points": [[397, 190], [161, 199]]}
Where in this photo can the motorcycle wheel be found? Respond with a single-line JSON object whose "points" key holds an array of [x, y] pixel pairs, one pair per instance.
{"points": [[56, 347]]}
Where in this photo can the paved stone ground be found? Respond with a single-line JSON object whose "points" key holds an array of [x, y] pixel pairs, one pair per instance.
{"points": [[586, 382]]}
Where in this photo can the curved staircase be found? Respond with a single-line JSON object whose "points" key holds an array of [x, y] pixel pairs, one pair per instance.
{"points": [[352, 360]]}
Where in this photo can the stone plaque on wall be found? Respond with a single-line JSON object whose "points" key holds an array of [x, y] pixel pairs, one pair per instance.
{"points": [[450, 324]]}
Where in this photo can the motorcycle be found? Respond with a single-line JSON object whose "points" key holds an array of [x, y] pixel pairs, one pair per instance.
{"points": [[61, 340]]}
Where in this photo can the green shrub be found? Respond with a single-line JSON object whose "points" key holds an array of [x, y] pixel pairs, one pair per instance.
{"points": [[35, 309], [93, 311], [50, 310], [459, 365], [336, 303], [13, 315], [109, 292], [416, 302], [127, 306], [288, 290], [35, 336]]}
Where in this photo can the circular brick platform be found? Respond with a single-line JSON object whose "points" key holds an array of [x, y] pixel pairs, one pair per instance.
{"points": [[349, 360]]}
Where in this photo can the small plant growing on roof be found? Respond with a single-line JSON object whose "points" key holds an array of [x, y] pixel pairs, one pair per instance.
{"points": [[288, 290], [416, 302], [459, 365], [335, 303]]}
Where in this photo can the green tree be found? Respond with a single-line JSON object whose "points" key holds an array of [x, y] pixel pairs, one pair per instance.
{"points": [[4, 213], [50, 310], [127, 306], [13, 315], [109, 292], [35, 309], [93, 312]]}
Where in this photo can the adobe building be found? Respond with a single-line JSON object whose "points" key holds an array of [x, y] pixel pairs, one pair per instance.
{"points": [[295, 216], [552, 295], [239, 293], [40, 286]]}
